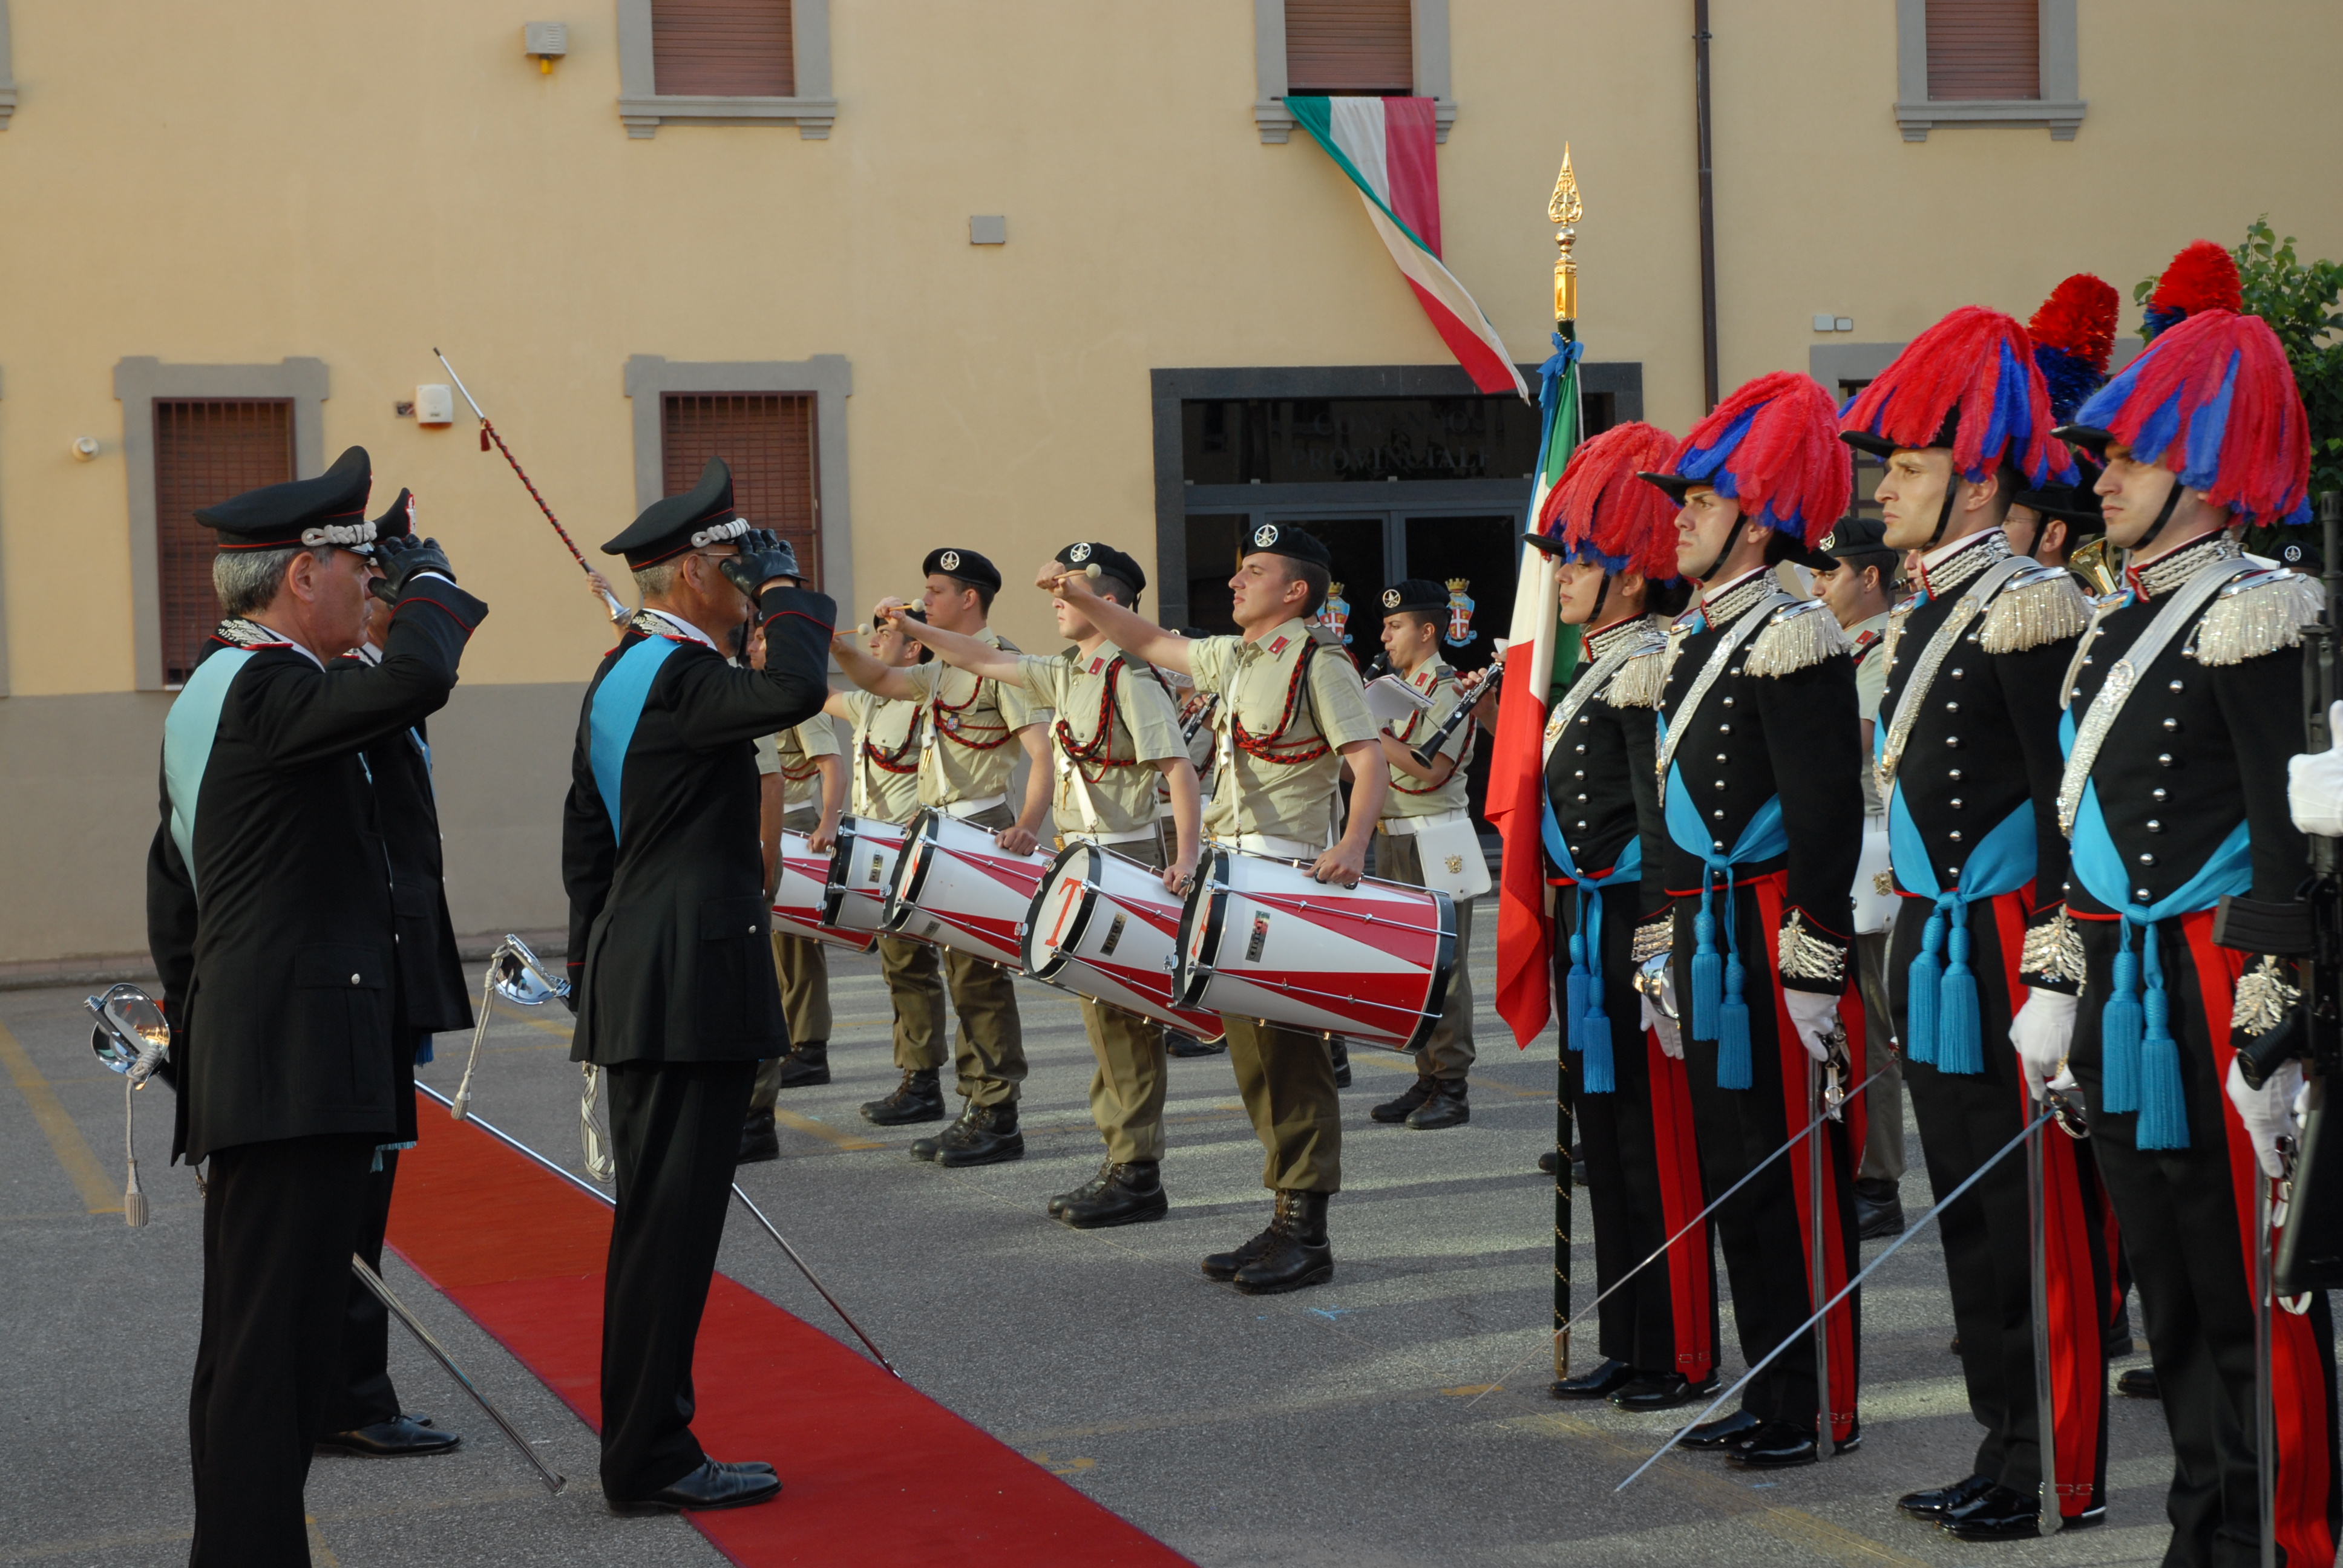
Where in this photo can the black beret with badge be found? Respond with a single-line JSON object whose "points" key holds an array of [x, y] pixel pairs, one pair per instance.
{"points": [[1856, 539], [702, 516], [1286, 539], [1109, 561], [1415, 594], [329, 509], [962, 566]]}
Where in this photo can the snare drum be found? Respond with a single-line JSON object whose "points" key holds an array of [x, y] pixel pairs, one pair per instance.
{"points": [[957, 888], [803, 893], [1263, 939], [861, 869], [1103, 927]]}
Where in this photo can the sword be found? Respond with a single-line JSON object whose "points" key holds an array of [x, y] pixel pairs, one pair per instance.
{"points": [[2049, 1518], [1825, 1418]]}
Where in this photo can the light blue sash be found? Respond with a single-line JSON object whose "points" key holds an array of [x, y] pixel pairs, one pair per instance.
{"points": [[1587, 1027], [188, 734], [618, 708], [1718, 1012]]}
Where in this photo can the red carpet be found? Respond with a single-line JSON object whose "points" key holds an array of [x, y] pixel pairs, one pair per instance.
{"points": [[875, 1471]]}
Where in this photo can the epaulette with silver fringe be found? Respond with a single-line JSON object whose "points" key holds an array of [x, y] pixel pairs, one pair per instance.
{"points": [[2258, 613], [1799, 635], [2040, 605], [237, 633], [1640, 680]]}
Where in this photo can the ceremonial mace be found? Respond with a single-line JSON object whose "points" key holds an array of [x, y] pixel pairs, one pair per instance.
{"points": [[1563, 210], [618, 612]]}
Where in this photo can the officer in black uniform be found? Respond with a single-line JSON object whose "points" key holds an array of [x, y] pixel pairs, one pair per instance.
{"points": [[365, 1417], [670, 973], [270, 912]]}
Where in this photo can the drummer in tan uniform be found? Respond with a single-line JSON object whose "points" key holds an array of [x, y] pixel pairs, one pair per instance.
{"points": [[1285, 733], [1116, 735], [974, 727], [1426, 810], [803, 791]]}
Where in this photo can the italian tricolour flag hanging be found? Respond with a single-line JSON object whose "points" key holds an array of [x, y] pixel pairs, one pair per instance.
{"points": [[1385, 146]]}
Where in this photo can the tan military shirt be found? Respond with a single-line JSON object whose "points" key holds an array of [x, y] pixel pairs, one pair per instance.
{"points": [[971, 741], [885, 769], [1106, 759], [793, 754], [1410, 796], [1256, 794]]}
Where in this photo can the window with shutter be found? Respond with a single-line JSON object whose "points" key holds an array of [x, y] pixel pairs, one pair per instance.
{"points": [[1350, 46], [768, 440], [722, 48], [207, 449], [1983, 49]]}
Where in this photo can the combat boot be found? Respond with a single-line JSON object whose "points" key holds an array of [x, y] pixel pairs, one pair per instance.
{"points": [[1130, 1194], [759, 1139], [1087, 1190], [1179, 1042], [1414, 1095], [984, 1135], [1224, 1265], [1297, 1254], [1341, 1053], [919, 1098], [806, 1065], [1446, 1108]]}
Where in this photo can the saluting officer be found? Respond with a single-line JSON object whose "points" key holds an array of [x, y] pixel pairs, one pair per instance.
{"points": [[964, 767], [365, 1417], [1292, 711], [1431, 800], [2184, 704], [1757, 769], [670, 970], [272, 914], [1968, 765], [1116, 734]]}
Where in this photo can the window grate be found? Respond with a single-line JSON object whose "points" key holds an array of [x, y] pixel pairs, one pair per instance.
{"points": [[723, 48], [1983, 49], [766, 439], [1350, 46], [206, 450]]}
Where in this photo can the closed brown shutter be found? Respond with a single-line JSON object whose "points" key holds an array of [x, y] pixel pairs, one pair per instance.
{"points": [[767, 441], [206, 450], [723, 48], [1361, 46], [1985, 49]]}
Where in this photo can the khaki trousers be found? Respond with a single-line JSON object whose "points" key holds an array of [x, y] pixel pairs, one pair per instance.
{"points": [[1286, 1078], [917, 994], [1128, 1086], [1448, 1053], [803, 968], [988, 1051]]}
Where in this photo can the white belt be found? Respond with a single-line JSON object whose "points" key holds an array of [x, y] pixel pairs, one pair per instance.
{"points": [[1407, 827], [1136, 836], [1263, 844], [967, 809]]}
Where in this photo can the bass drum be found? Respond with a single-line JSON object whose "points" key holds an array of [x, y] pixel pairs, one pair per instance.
{"points": [[1261, 938], [955, 888], [1103, 927], [861, 869], [803, 893]]}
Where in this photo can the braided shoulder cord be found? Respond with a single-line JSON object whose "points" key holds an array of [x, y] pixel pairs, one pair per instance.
{"points": [[1097, 751], [1266, 748], [1471, 728], [950, 727], [891, 761]]}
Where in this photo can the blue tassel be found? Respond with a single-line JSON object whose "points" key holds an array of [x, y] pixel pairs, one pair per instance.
{"points": [[2119, 1032], [1733, 1033], [1598, 1076], [1959, 1034], [2163, 1114], [1922, 989], [1707, 977], [1574, 999]]}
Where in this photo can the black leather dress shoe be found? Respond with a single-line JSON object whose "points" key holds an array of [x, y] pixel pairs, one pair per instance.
{"points": [[1132, 1194], [1661, 1391], [1937, 1502], [1997, 1513], [1606, 1377], [1549, 1162], [401, 1437], [1724, 1434], [1779, 1445], [1878, 1210], [713, 1486], [2139, 1383], [760, 1139]]}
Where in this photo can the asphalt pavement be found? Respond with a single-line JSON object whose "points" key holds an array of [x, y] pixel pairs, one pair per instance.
{"points": [[1354, 1425]]}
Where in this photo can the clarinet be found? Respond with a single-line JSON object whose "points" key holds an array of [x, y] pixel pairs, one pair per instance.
{"points": [[1431, 748]]}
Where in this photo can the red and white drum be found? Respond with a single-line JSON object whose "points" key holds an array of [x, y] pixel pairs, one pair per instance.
{"points": [[1103, 927], [803, 892], [861, 869], [956, 888], [1263, 939]]}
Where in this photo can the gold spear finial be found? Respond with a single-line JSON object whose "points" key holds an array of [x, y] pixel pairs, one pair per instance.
{"points": [[1565, 210]]}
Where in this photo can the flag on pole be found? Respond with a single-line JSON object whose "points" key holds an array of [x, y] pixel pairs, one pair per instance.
{"points": [[1535, 662], [1385, 146]]}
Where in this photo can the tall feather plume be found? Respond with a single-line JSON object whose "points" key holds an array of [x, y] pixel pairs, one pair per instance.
{"points": [[1601, 512], [2212, 399], [2202, 277], [2074, 334], [1977, 368], [1773, 446]]}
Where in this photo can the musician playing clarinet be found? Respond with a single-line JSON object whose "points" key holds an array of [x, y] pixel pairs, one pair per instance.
{"points": [[1291, 713], [1757, 768], [671, 971], [1115, 735]]}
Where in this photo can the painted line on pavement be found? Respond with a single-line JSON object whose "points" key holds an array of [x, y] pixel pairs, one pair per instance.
{"points": [[823, 1131], [98, 1193]]}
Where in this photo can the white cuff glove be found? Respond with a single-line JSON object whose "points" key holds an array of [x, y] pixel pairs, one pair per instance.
{"points": [[2042, 1031], [2268, 1111], [1814, 1016], [2314, 785], [1670, 1037]]}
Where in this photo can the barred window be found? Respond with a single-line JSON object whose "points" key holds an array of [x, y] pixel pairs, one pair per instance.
{"points": [[766, 439], [207, 449], [723, 48]]}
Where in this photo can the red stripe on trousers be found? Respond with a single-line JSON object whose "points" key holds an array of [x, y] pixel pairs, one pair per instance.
{"points": [[1691, 1283]]}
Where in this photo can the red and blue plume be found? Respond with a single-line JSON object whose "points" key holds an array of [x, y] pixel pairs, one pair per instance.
{"points": [[2203, 276], [1968, 383], [1773, 446], [2212, 399], [1600, 512], [2073, 332]]}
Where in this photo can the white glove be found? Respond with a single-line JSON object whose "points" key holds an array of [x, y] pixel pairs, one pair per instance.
{"points": [[2314, 784], [1814, 1016], [2268, 1111], [2042, 1031], [1671, 1037]]}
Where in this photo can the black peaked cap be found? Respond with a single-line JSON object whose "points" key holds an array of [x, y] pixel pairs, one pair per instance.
{"points": [[1108, 560], [398, 523], [962, 566], [703, 515], [329, 509]]}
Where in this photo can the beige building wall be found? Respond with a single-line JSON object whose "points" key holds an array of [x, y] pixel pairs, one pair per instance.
{"points": [[357, 185]]}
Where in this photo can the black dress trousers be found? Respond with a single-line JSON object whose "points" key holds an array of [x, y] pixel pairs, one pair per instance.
{"points": [[676, 1129], [280, 1222], [364, 1394]]}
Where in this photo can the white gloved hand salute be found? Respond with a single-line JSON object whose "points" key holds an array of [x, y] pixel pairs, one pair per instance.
{"points": [[2042, 1032], [1814, 1015], [2314, 784], [2268, 1111]]}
